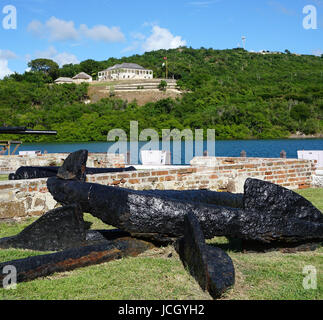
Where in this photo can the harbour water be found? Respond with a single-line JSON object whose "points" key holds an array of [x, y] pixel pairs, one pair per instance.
{"points": [[253, 148]]}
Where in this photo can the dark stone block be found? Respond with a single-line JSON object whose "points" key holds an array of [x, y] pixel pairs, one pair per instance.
{"points": [[74, 167], [58, 229], [210, 266]]}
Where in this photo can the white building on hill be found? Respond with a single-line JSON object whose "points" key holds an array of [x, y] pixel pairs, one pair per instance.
{"points": [[82, 77], [79, 78], [62, 80], [125, 71]]}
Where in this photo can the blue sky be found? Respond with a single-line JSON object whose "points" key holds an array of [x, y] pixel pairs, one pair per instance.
{"points": [[70, 31]]}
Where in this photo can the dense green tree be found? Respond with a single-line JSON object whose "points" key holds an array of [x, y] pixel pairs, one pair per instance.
{"points": [[70, 70], [46, 66], [90, 67], [301, 112], [240, 94]]}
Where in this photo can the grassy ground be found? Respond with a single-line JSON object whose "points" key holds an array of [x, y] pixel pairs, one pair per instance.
{"points": [[3, 177], [159, 274]]}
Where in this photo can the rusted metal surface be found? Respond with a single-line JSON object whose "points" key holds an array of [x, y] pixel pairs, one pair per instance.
{"points": [[74, 167], [59, 229], [212, 268], [45, 265], [270, 213], [28, 173]]}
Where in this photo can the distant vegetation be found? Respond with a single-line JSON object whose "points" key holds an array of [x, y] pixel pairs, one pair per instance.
{"points": [[241, 95]]}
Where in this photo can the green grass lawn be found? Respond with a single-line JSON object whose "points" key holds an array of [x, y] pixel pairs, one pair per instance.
{"points": [[159, 274], [3, 177]]}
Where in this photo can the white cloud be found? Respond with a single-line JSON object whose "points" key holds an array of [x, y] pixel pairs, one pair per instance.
{"points": [[61, 30], [61, 58], [202, 4], [36, 28], [102, 33], [150, 23], [159, 38], [132, 47], [162, 38], [46, 54], [138, 36], [137, 40], [66, 58], [56, 29], [4, 69], [7, 54], [317, 52]]}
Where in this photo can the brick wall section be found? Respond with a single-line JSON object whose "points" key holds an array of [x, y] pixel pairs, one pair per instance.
{"points": [[229, 174], [96, 160], [289, 173], [31, 197]]}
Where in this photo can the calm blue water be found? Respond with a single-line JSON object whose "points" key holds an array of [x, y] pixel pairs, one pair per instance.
{"points": [[254, 148]]}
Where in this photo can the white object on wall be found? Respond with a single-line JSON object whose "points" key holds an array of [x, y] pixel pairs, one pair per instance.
{"points": [[312, 155], [29, 153], [153, 158]]}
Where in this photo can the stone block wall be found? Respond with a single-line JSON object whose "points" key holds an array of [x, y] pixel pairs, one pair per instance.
{"points": [[318, 178], [25, 198], [31, 198], [96, 160]]}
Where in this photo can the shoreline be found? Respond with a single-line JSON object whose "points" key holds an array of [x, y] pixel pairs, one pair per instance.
{"points": [[316, 136], [292, 137]]}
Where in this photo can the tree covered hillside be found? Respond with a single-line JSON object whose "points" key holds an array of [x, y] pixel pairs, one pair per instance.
{"points": [[240, 94]]}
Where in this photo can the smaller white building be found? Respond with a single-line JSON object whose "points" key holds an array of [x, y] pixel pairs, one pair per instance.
{"points": [[79, 78], [82, 77], [62, 80], [125, 71]]}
